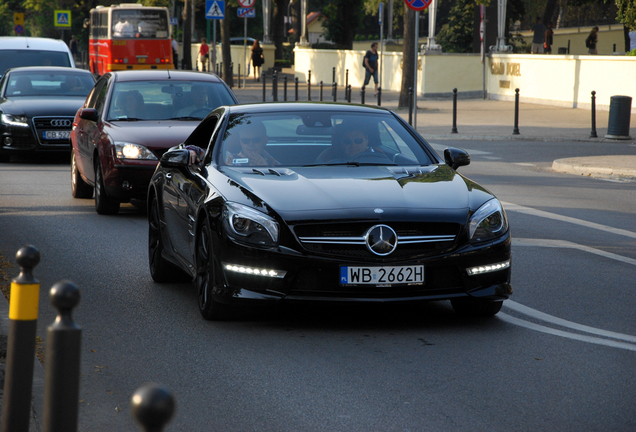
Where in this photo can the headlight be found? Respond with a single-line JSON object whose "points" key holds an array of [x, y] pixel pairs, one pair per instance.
{"points": [[246, 224], [487, 222], [133, 151], [13, 120]]}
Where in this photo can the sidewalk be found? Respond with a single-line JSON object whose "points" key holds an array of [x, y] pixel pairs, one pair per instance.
{"points": [[478, 119]]}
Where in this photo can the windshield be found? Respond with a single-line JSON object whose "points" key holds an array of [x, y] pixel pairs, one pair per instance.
{"points": [[140, 23], [49, 84], [166, 100], [18, 58], [318, 138]]}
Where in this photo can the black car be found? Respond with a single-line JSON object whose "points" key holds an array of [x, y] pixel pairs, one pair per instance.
{"points": [[37, 106], [324, 202]]}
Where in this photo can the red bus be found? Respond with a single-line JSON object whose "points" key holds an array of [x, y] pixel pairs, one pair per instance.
{"points": [[129, 36]]}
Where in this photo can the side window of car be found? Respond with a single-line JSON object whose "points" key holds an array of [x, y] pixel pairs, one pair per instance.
{"points": [[92, 97], [100, 99]]}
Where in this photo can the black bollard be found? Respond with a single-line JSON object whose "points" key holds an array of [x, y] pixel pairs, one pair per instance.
{"points": [[239, 76], [593, 132], [333, 75], [411, 106], [379, 96], [231, 74], [275, 86], [614, 49], [362, 95], [296, 88], [334, 90], [515, 131], [152, 407], [320, 92], [349, 93], [347, 96], [309, 86], [285, 88], [454, 130], [221, 70], [63, 347], [264, 89], [23, 316]]}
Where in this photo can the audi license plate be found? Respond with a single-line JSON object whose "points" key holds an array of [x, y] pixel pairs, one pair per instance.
{"points": [[382, 275], [52, 135]]}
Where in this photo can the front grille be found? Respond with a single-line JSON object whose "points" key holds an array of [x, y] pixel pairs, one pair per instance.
{"points": [[347, 239], [43, 124]]}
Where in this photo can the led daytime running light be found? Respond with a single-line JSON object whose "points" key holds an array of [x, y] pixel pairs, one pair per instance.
{"points": [[488, 268], [255, 271]]}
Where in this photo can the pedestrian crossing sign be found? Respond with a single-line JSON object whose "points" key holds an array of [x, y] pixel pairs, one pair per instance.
{"points": [[214, 9], [62, 18]]}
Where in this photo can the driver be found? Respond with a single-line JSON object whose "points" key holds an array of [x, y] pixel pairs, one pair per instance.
{"points": [[199, 102], [354, 142], [253, 138]]}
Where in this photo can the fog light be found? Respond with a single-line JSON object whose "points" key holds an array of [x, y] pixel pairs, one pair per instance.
{"points": [[8, 141], [255, 271], [489, 268]]}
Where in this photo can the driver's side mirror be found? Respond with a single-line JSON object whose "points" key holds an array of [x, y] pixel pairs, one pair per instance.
{"points": [[179, 158], [89, 114], [455, 157]]}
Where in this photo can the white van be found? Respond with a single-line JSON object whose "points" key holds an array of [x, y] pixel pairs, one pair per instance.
{"points": [[18, 51]]}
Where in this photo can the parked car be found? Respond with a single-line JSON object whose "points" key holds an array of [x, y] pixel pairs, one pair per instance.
{"points": [[37, 105], [17, 51], [128, 121], [324, 202]]}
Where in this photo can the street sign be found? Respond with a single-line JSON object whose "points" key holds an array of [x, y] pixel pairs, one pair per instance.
{"points": [[247, 3], [246, 12], [174, 21], [18, 29], [380, 13], [18, 18], [62, 18], [215, 9], [418, 5]]}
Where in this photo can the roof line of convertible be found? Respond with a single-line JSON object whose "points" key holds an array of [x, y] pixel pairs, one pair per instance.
{"points": [[264, 107]]}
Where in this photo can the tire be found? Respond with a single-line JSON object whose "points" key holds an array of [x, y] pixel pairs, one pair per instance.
{"points": [[79, 188], [210, 309], [103, 204], [476, 307], [161, 269]]}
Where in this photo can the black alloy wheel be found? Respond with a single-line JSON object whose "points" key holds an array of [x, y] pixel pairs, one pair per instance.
{"points": [[468, 306], [210, 309], [161, 269], [103, 204], [79, 188]]}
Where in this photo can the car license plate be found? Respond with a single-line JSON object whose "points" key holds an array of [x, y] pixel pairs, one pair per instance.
{"points": [[382, 275], [51, 135]]}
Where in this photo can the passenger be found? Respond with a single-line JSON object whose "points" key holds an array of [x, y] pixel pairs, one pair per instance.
{"points": [[199, 102]]}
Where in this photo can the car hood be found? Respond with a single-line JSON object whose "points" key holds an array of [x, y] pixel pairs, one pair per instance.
{"points": [[160, 134], [433, 192], [42, 106]]}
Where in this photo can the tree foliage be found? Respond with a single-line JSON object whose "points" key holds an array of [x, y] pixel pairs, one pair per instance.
{"points": [[456, 36], [343, 17], [626, 13]]}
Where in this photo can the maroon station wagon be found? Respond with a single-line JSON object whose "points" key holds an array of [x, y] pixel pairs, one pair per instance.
{"points": [[130, 119]]}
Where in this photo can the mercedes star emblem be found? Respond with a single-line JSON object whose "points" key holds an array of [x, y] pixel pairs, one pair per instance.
{"points": [[381, 240]]}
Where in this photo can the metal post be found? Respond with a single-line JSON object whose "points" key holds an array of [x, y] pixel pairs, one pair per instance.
{"points": [[515, 131], [309, 86], [379, 96], [454, 130], [320, 91], [593, 132], [275, 86], [362, 95], [239, 76], [296, 88], [285, 88], [152, 407], [347, 97], [264, 89], [23, 316], [63, 347], [411, 106], [335, 90], [333, 73], [231, 74], [349, 93]]}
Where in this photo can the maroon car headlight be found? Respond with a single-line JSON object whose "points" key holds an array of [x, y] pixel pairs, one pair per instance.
{"points": [[249, 225], [125, 150]]}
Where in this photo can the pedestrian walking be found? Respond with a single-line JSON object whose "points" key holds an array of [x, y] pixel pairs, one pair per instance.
{"points": [[175, 53], [73, 46], [538, 37], [257, 59], [370, 63], [204, 53], [591, 41], [547, 45]]}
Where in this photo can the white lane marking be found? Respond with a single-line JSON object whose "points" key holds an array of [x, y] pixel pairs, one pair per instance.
{"points": [[575, 221], [565, 323], [570, 245], [575, 336]]}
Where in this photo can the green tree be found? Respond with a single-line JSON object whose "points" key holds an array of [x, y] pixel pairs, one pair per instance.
{"points": [[456, 36], [343, 17], [626, 13]]}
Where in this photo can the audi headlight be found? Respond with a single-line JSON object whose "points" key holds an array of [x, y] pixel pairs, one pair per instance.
{"points": [[126, 150], [487, 222], [14, 120], [246, 224]]}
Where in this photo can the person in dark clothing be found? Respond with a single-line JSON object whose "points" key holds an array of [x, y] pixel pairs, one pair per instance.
{"points": [[371, 66], [538, 37], [591, 41], [257, 59], [547, 45]]}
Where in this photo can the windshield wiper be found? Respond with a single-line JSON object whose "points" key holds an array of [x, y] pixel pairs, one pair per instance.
{"points": [[186, 118], [126, 119]]}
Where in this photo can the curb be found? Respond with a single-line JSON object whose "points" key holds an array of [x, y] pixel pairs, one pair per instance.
{"points": [[617, 166]]}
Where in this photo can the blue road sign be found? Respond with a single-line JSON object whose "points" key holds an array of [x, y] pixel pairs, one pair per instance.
{"points": [[18, 29], [246, 12], [215, 9], [174, 21]]}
